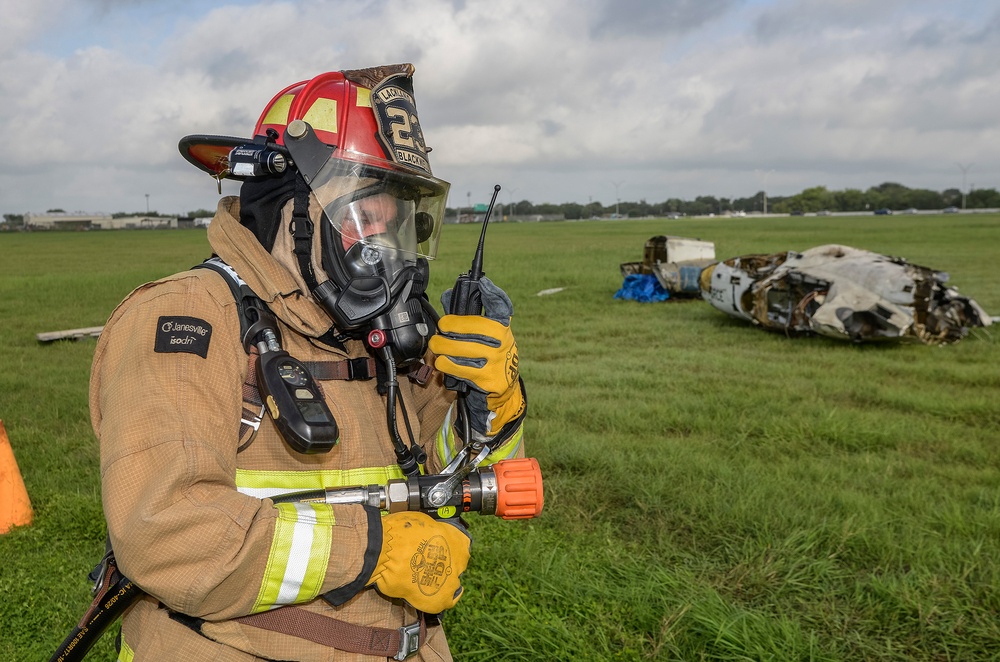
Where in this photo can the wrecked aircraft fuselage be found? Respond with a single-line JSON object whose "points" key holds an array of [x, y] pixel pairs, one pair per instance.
{"points": [[842, 292]]}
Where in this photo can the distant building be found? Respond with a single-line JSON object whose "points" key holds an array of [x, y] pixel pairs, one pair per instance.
{"points": [[81, 221]]}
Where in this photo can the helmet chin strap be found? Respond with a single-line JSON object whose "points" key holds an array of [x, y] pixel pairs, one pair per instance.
{"points": [[302, 228], [413, 333]]}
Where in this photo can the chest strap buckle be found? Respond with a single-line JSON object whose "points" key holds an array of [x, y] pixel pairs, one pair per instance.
{"points": [[360, 368]]}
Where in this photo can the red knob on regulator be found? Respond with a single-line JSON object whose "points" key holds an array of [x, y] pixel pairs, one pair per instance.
{"points": [[519, 488], [377, 338]]}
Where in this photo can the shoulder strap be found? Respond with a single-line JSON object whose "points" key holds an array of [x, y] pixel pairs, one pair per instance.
{"points": [[247, 303], [250, 307], [246, 300]]}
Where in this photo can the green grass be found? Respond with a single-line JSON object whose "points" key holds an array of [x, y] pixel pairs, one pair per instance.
{"points": [[713, 491]]}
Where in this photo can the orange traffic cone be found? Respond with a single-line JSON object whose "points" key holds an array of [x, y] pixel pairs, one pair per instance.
{"points": [[15, 508]]}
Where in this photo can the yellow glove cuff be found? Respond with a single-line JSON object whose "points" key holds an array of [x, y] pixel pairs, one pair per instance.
{"points": [[504, 408]]}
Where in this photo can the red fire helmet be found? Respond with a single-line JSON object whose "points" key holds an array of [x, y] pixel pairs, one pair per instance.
{"points": [[368, 115], [364, 128]]}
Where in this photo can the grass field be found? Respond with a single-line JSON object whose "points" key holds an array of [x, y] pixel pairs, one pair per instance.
{"points": [[712, 491]]}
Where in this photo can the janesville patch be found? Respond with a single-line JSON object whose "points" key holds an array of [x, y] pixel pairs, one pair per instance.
{"points": [[399, 129], [182, 334]]}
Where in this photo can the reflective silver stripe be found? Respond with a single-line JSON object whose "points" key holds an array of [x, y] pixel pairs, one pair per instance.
{"points": [[298, 554]]}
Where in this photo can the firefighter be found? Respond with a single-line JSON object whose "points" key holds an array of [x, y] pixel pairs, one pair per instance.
{"points": [[337, 216]]}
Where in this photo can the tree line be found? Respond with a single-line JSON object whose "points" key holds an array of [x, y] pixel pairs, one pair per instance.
{"points": [[889, 195], [818, 198]]}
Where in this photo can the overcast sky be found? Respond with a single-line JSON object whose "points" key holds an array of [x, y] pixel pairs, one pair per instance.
{"points": [[555, 100]]}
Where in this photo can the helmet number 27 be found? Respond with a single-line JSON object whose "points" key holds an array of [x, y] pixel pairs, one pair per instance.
{"points": [[401, 130]]}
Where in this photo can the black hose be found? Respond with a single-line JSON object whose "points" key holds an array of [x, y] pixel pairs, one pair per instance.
{"points": [[403, 455], [99, 618]]}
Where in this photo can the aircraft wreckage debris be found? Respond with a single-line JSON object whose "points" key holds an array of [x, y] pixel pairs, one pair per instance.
{"points": [[844, 293], [669, 269]]}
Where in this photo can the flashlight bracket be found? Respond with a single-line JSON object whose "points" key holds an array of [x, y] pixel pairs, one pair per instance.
{"points": [[261, 158]]}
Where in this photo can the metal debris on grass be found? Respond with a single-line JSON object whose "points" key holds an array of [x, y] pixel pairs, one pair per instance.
{"points": [[842, 292], [670, 269]]}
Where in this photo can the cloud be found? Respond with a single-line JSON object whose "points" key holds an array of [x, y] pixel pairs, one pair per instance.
{"points": [[658, 19], [25, 21], [553, 99]]}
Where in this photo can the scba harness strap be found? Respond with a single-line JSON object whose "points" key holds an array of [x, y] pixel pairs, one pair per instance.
{"points": [[247, 305], [363, 368], [397, 644], [253, 406]]}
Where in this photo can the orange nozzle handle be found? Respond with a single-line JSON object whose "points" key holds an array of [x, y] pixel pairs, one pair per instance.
{"points": [[519, 488]]}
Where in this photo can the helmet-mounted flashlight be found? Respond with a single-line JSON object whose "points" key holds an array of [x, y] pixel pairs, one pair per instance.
{"points": [[256, 161]]}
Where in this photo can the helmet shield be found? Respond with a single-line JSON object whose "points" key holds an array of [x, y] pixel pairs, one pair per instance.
{"points": [[384, 208]]}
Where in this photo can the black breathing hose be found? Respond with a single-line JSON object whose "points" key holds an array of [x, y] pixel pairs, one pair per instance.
{"points": [[403, 455]]}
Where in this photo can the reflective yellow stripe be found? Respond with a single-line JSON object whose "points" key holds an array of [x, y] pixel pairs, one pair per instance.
{"points": [[322, 115], [126, 654], [445, 442], [300, 552], [508, 450], [364, 97], [278, 113], [262, 484]]}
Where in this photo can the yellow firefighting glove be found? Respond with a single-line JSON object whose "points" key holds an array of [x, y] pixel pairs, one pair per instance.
{"points": [[422, 561], [480, 350]]}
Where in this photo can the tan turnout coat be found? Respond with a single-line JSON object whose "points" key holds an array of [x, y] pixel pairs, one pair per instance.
{"points": [[168, 419]]}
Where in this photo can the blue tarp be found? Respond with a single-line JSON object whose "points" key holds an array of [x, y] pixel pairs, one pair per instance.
{"points": [[643, 288]]}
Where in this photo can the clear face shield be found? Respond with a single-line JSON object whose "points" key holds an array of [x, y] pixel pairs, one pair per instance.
{"points": [[395, 215]]}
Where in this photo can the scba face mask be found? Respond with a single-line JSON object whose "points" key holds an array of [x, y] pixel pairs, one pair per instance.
{"points": [[379, 228], [368, 249]]}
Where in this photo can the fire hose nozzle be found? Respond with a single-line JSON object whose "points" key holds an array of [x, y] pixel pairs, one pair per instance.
{"points": [[519, 488], [509, 489]]}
